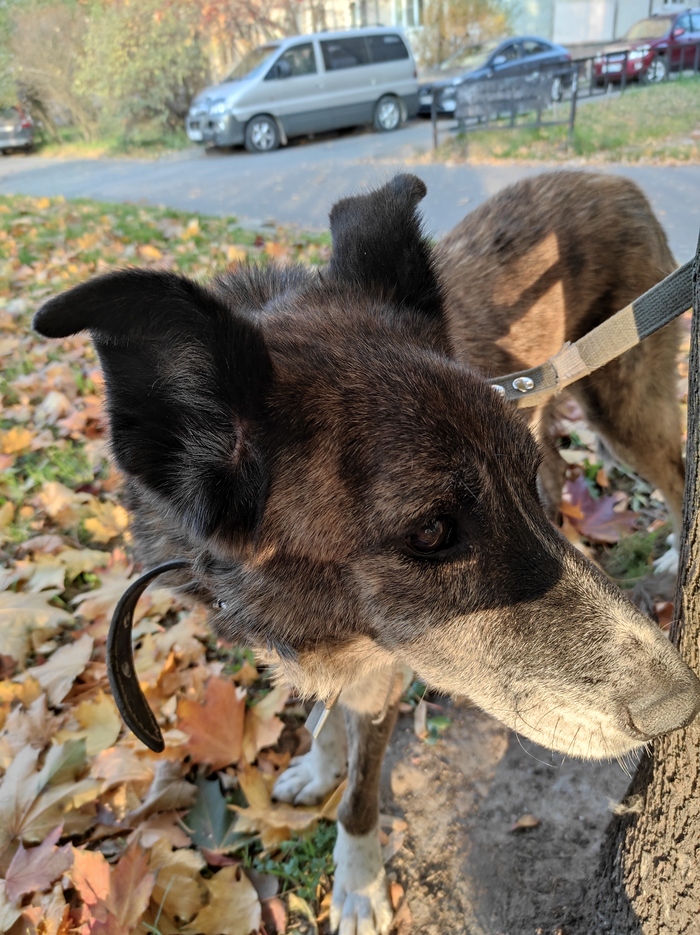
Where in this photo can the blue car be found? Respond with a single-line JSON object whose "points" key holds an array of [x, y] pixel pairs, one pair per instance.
{"points": [[504, 58]]}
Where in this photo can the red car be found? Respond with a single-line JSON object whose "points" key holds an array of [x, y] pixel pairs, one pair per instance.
{"points": [[655, 46]]}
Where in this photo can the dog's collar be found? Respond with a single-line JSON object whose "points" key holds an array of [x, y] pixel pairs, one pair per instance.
{"points": [[123, 680], [129, 697]]}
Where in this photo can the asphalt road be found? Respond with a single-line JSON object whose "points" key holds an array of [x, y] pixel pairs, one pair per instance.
{"points": [[298, 184]]}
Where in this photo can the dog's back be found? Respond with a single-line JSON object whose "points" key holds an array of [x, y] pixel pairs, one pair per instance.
{"points": [[545, 261]]}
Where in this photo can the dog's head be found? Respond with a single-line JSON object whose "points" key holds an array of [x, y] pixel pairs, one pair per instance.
{"points": [[351, 497]]}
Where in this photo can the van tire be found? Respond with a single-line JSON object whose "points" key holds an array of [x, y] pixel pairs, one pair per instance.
{"points": [[262, 134], [657, 71], [387, 114]]}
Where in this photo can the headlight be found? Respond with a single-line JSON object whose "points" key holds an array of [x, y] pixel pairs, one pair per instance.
{"points": [[218, 108], [639, 53], [598, 59]]}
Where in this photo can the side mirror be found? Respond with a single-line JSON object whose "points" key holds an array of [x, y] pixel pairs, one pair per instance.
{"points": [[678, 31], [499, 60]]}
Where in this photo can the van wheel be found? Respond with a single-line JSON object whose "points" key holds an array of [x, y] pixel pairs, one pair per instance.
{"points": [[387, 114], [261, 135]]}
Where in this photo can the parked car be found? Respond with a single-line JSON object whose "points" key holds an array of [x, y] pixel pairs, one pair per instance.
{"points": [[308, 84], [507, 58], [16, 129], [655, 45]]}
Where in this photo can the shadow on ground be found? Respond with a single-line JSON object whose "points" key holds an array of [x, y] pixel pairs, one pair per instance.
{"points": [[466, 872]]}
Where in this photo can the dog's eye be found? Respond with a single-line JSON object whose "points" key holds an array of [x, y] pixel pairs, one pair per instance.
{"points": [[430, 538]]}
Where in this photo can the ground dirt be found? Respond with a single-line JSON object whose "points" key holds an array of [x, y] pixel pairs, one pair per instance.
{"points": [[466, 872]]}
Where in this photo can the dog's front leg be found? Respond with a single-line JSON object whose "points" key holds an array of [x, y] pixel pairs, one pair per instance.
{"points": [[360, 900]]}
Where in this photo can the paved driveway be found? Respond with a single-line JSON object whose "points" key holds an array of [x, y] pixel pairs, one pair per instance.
{"points": [[299, 184]]}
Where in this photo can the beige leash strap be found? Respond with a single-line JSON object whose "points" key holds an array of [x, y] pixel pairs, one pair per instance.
{"points": [[651, 311]]}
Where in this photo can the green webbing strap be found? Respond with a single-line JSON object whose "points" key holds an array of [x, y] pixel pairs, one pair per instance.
{"points": [[651, 311]]}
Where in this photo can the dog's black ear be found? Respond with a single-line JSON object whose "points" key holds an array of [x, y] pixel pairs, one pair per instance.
{"points": [[186, 381], [378, 245]]}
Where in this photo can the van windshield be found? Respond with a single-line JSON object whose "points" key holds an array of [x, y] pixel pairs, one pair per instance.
{"points": [[251, 62], [470, 58], [649, 28]]}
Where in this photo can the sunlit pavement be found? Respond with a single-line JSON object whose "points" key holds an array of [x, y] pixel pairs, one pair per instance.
{"points": [[298, 184]]}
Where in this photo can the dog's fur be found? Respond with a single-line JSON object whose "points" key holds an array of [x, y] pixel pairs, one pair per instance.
{"points": [[356, 501]]}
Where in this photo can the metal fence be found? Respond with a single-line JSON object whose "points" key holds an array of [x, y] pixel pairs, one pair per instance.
{"points": [[498, 103]]}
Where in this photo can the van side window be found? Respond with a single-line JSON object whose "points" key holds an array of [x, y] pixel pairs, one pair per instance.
{"points": [[386, 48], [299, 60], [344, 53]]}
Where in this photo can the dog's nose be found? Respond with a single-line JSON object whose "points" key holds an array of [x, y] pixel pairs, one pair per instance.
{"points": [[673, 707]]}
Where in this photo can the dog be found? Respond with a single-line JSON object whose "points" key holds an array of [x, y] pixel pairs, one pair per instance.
{"points": [[356, 502]]}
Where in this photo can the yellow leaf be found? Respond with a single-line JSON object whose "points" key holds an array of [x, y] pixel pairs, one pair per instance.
{"points": [[179, 888], [42, 204], [234, 907], [57, 675], [7, 514], [148, 252], [101, 722], [62, 504], [26, 691], [77, 561], [109, 521], [20, 614], [236, 254], [16, 440], [262, 728]]}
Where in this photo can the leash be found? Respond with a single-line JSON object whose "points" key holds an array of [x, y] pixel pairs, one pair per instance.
{"points": [[656, 308]]}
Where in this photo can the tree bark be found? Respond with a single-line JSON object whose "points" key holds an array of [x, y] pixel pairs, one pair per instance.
{"points": [[649, 877]]}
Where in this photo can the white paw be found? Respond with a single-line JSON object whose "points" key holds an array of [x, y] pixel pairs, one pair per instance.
{"points": [[360, 899], [309, 778], [669, 560]]}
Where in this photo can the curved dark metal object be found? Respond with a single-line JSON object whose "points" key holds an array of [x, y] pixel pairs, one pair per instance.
{"points": [[130, 700]]}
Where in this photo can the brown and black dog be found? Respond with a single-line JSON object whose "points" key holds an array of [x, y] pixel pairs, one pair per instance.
{"points": [[356, 501]]}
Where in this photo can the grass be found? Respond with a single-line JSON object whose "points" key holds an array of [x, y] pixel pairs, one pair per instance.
{"points": [[660, 123], [147, 141]]}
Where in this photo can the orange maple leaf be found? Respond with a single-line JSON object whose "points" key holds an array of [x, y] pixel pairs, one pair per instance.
{"points": [[215, 728]]}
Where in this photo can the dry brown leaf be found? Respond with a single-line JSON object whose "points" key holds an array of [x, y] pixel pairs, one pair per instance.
{"points": [[234, 907], [179, 887], [57, 675], [108, 520], [215, 728], [90, 874], [131, 886], [262, 727], [100, 721], [37, 868], [16, 440], [118, 765], [168, 792], [8, 912], [20, 613]]}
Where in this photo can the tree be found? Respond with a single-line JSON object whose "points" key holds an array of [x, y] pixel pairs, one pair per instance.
{"points": [[145, 61], [649, 879], [451, 24], [46, 44]]}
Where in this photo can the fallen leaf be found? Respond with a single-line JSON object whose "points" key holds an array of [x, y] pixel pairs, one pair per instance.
{"points": [[101, 722], [57, 675], [179, 887], [215, 728], [525, 823], [210, 822], [595, 519], [20, 613], [233, 909], [131, 886], [90, 874], [8, 913], [262, 727], [38, 867], [108, 521], [168, 792], [16, 440]]}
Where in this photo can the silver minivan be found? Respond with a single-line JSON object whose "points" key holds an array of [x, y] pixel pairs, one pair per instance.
{"points": [[308, 84]]}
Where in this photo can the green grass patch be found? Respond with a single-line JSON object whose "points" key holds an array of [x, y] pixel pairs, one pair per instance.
{"points": [[646, 123]]}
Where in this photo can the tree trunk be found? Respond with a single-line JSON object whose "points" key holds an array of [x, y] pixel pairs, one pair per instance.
{"points": [[649, 878]]}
